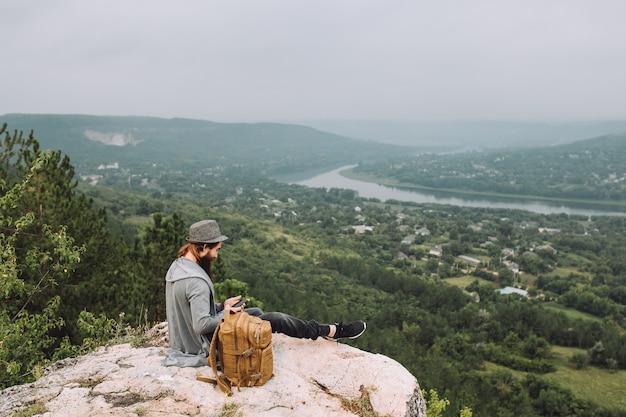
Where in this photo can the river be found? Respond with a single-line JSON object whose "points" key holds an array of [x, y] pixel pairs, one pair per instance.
{"points": [[334, 179]]}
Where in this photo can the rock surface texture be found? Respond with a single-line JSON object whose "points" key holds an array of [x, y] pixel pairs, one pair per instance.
{"points": [[311, 378]]}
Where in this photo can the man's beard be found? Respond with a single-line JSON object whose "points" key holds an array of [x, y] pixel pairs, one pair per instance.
{"points": [[205, 263]]}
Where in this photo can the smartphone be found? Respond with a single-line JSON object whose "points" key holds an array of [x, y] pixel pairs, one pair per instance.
{"points": [[241, 302]]}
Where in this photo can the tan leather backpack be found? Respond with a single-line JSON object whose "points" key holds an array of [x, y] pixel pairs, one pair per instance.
{"points": [[243, 345]]}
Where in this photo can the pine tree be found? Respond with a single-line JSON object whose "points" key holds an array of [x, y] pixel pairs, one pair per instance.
{"points": [[29, 314], [49, 196], [153, 253]]}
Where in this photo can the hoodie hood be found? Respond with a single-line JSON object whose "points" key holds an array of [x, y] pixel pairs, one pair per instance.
{"points": [[183, 268]]}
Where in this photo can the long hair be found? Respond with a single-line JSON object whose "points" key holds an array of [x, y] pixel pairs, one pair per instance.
{"points": [[195, 249]]}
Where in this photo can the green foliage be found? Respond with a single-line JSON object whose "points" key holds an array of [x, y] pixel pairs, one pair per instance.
{"points": [[580, 360], [435, 406], [41, 188], [98, 331], [154, 250], [231, 288], [293, 248], [465, 412], [584, 170], [29, 317], [511, 360]]}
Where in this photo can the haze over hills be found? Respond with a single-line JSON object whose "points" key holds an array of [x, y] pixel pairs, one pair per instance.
{"points": [[151, 144], [424, 136], [470, 135], [186, 143]]}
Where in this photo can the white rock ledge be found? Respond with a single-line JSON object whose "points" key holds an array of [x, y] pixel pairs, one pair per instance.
{"points": [[311, 378]]}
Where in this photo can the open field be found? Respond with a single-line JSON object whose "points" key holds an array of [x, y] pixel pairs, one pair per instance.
{"points": [[571, 313], [566, 271], [593, 384], [604, 388], [466, 280]]}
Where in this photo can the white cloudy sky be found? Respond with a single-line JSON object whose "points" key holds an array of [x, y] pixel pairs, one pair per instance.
{"points": [[281, 60]]}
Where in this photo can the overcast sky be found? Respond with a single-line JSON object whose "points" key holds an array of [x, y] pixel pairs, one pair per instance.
{"points": [[281, 60]]}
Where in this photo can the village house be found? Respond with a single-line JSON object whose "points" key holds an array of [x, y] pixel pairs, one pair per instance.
{"points": [[401, 256], [113, 165], [408, 240], [512, 266], [470, 259], [512, 290], [91, 179], [546, 248], [506, 252], [362, 228], [400, 218], [549, 230], [422, 231], [436, 251]]}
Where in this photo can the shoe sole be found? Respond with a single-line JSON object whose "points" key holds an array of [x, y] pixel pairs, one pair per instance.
{"points": [[363, 331], [332, 339]]}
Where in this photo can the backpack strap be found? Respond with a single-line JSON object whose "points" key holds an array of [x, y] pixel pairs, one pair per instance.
{"points": [[206, 341], [206, 379], [222, 382]]}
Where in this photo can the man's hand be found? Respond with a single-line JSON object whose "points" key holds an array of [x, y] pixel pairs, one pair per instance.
{"points": [[229, 305]]}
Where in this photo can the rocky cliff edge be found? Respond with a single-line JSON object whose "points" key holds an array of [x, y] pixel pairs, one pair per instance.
{"points": [[311, 378]]}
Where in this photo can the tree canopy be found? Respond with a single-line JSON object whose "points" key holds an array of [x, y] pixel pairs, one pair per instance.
{"points": [[80, 262]]}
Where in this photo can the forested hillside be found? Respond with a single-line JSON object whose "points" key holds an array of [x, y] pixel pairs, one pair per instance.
{"points": [[152, 146], [84, 262], [592, 169]]}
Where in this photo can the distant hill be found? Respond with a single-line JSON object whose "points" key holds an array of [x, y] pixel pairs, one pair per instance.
{"points": [[586, 170], [184, 143], [462, 136]]}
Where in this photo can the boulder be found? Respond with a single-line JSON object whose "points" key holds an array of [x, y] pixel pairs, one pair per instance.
{"points": [[311, 378]]}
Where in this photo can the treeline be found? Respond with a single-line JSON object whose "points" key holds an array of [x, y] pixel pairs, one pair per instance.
{"points": [[61, 266], [592, 169], [159, 148], [78, 268]]}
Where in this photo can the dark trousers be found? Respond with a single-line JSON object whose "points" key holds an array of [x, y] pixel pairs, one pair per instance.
{"points": [[291, 326]]}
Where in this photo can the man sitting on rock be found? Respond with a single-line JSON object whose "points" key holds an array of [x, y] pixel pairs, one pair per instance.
{"points": [[193, 314]]}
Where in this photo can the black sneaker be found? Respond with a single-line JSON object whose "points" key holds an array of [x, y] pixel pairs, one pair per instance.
{"points": [[348, 330]]}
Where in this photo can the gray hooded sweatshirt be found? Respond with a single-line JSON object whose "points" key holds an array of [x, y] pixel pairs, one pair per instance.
{"points": [[192, 313]]}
